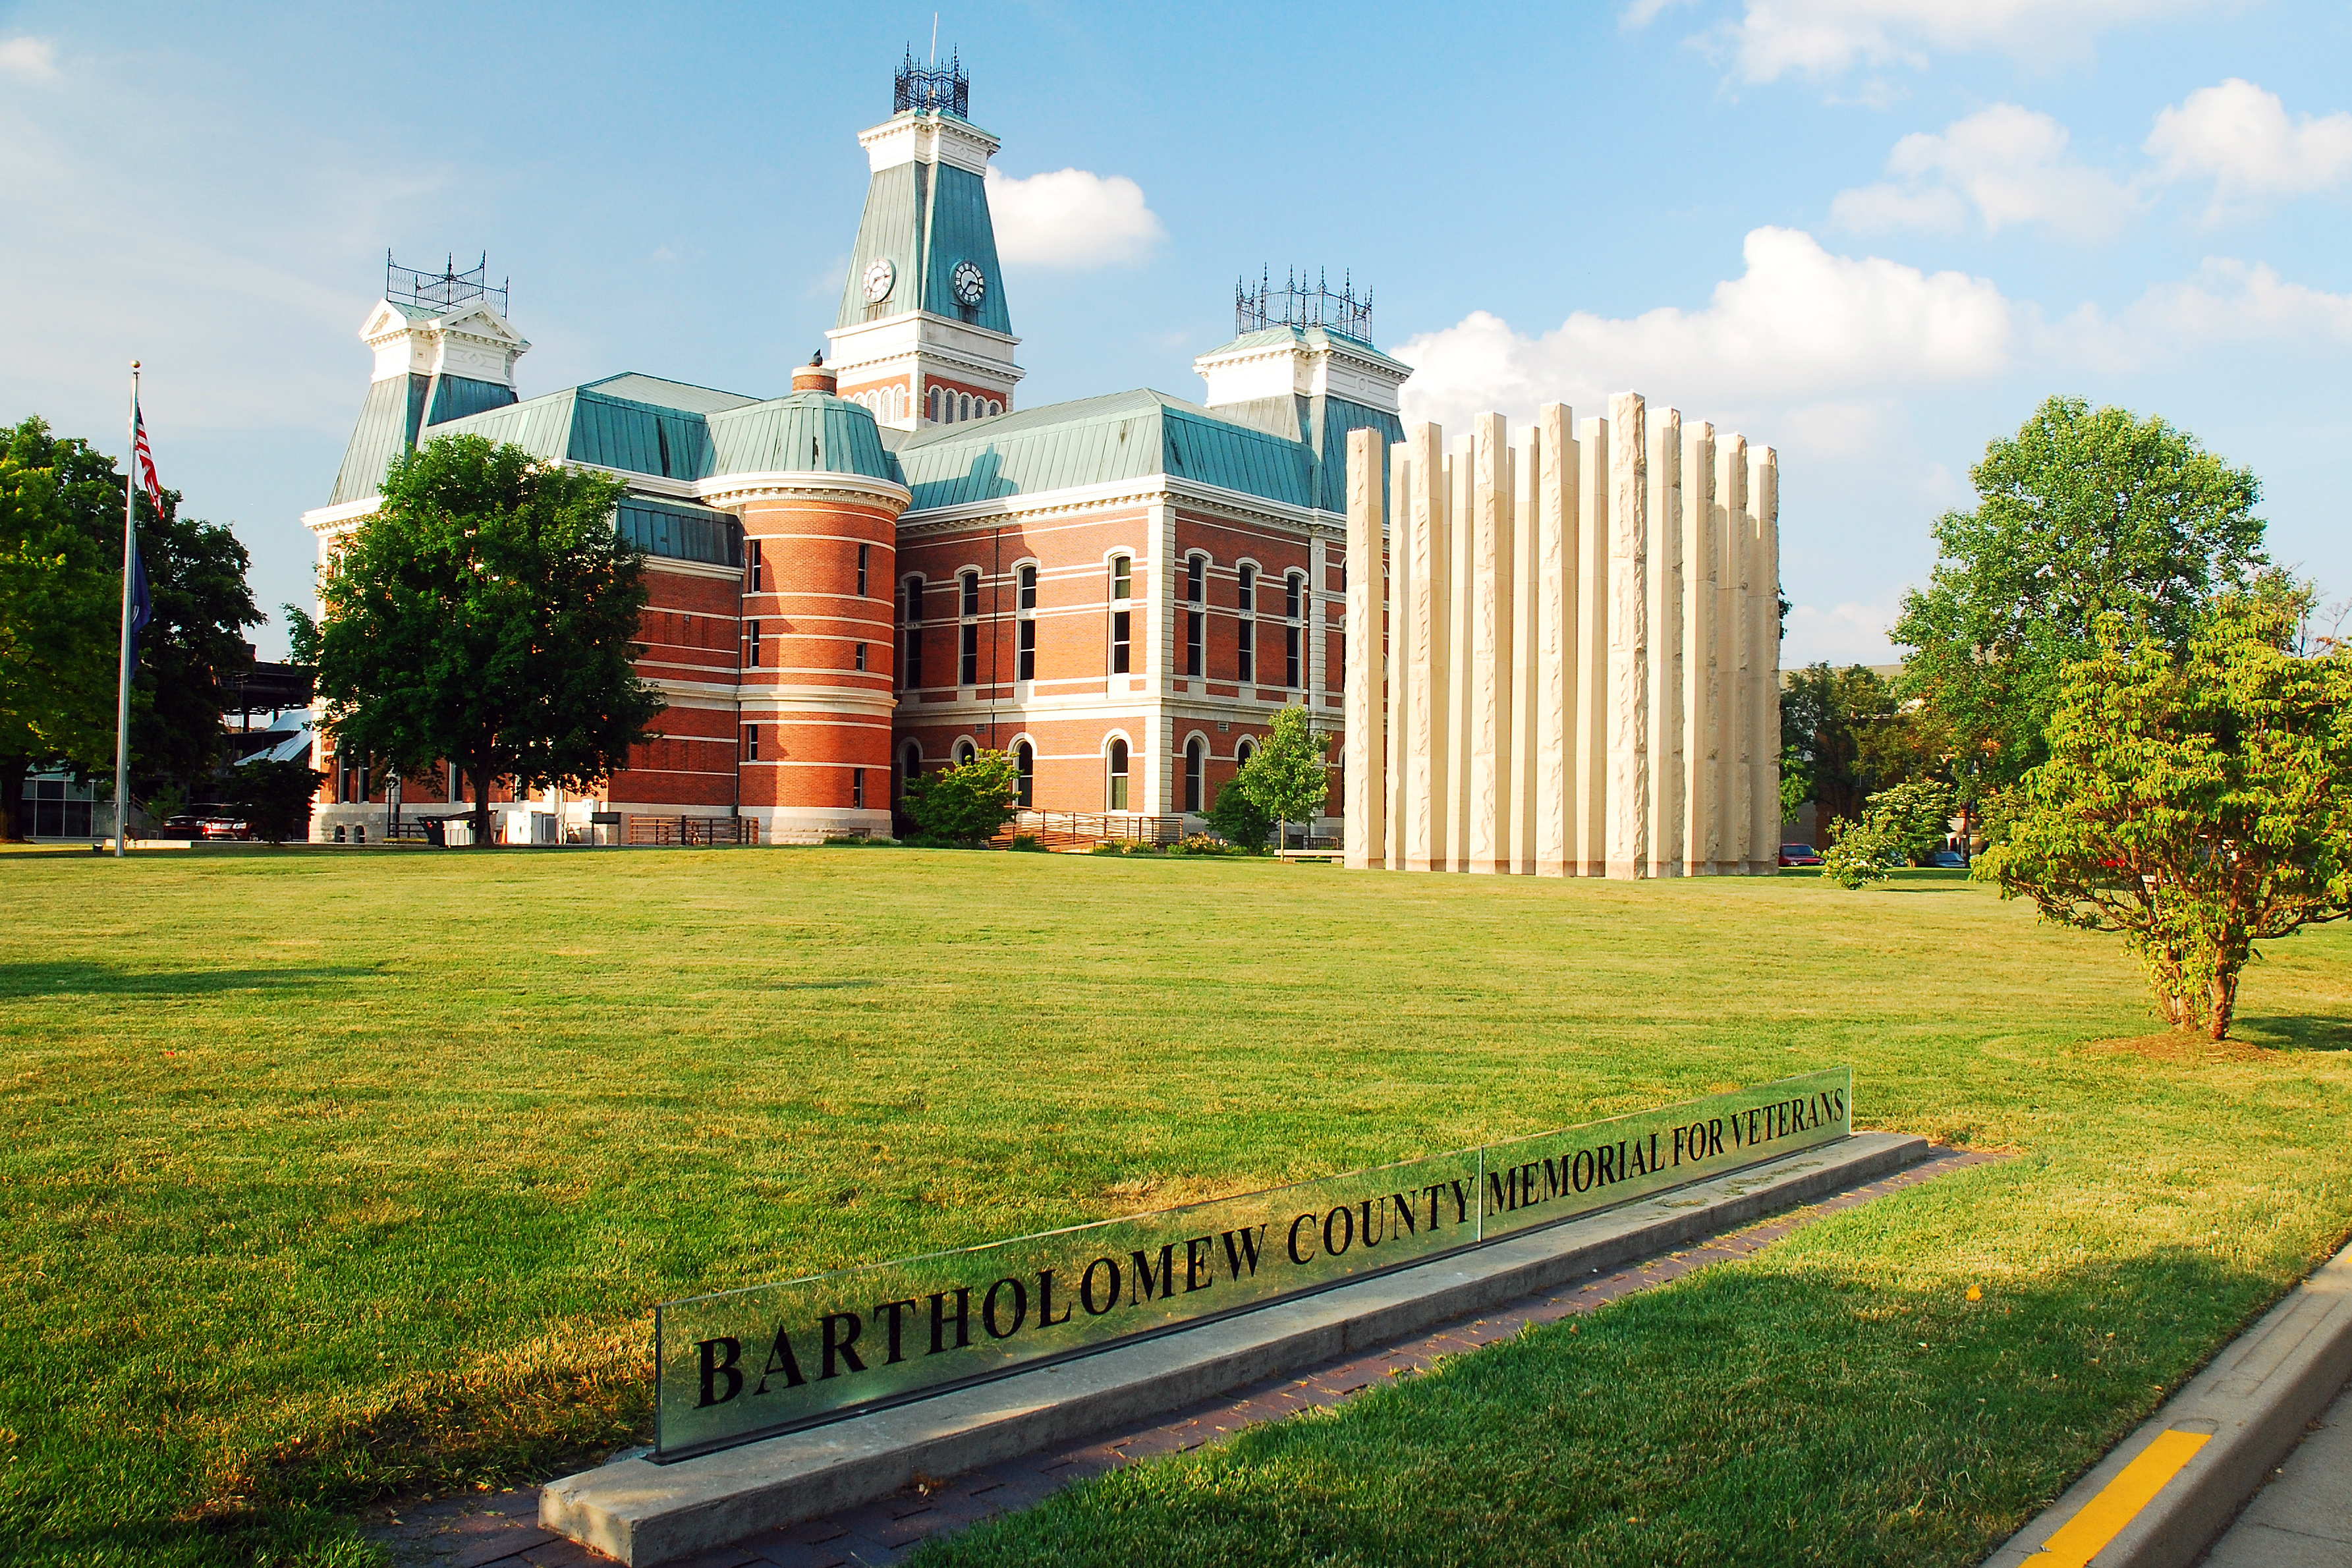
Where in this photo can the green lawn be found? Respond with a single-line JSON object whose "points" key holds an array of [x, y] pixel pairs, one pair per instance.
{"points": [[326, 1176]]}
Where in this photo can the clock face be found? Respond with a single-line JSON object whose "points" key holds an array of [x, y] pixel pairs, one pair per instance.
{"points": [[879, 278], [971, 288]]}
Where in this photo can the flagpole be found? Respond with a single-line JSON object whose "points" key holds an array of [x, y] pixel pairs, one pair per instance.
{"points": [[122, 689]]}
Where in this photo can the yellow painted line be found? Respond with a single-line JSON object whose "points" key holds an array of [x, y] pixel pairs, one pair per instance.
{"points": [[2119, 1501]]}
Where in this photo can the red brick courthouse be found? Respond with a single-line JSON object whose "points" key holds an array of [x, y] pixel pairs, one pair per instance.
{"points": [[894, 564]]}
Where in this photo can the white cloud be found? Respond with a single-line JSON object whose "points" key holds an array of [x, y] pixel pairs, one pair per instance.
{"points": [[1071, 218], [2010, 162], [1800, 326], [2239, 137], [2233, 301], [1828, 38], [1841, 635], [31, 58]]}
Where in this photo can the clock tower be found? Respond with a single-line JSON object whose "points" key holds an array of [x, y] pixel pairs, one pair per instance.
{"points": [[923, 336]]}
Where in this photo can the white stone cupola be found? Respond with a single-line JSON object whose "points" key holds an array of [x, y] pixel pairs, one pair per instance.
{"points": [[924, 335]]}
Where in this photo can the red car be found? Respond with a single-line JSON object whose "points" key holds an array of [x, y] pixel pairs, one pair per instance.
{"points": [[1799, 854]]}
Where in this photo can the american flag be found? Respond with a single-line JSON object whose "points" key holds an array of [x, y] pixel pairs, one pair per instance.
{"points": [[145, 461]]}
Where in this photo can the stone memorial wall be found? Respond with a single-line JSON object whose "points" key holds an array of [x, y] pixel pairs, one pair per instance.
{"points": [[1572, 667]]}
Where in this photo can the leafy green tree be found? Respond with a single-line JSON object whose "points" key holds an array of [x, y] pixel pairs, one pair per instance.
{"points": [[2198, 800], [966, 803], [1858, 854], [58, 622], [1237, 820], [2083, 513], [1826, 717], [195, 642], [486, 616], [1912, 818], [1288, 777], [276, 798]]}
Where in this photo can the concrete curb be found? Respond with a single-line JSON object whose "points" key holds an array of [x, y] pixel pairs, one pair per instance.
{"points": [[644, 1513], [2251, 1404]]}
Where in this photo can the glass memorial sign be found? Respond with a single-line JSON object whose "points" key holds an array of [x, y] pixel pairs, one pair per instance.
{"points": [[774, 1358]]}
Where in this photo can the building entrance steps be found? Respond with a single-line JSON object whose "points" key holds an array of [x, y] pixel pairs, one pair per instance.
{"points": [[644, 1513], [2164, 1493]]}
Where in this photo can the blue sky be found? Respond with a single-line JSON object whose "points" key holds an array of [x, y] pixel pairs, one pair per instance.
{"points": [[1873, 233]]}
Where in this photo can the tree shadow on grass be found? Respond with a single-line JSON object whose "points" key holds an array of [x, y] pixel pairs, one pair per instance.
{"points": [[2292, 1032], [76, 977]]}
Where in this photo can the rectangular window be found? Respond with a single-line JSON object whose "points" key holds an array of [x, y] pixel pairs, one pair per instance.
{"points": [[1118, 642], [1028, 587], [1290, 658], [751, 642], [967, 672], [971, 581], [1196, 579], [857, 788], [911, 667], [1122, 578], [1248, 670], [865, 560], [1025, 668], [750, 742], [1196, 637], [751, 552], [861, 656], [1292, 588]]}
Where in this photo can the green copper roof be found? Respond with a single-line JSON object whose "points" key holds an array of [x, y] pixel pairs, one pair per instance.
{"points": [[924, 218], [1097, 441], [678, 394], [801, 431]]}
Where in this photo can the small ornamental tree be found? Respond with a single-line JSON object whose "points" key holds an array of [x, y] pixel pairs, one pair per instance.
{"points": [[1289, 777], [276, 798], [486, 615], [966, 803], [2198, 802]]}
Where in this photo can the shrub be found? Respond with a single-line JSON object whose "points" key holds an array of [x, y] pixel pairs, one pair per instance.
{"points": [[1237, 820], [965, 804], [1106, 848], [1027, 843]]}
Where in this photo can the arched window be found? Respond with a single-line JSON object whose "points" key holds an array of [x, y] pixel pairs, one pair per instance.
{"points": [[910, 665], [1118, 775], [1247, 632], [1025, 764], [1024, 654], [1244, 753], [994, 408], [964, 753], [963, 406], [1196, 757], [968, 634], [910, 764], [1293, 601], [1196, 620], [934, 400], [1123, 589]]}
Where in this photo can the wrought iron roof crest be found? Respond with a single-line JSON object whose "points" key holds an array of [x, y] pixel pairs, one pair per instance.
{"points": [[1295, 304], [443, 289]]}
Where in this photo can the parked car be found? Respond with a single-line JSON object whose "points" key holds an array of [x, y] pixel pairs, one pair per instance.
{"points": [[1948, 860], [1799, 854]]}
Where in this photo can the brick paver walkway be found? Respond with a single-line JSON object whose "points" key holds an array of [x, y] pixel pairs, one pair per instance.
{"points": [[500, 1529]]}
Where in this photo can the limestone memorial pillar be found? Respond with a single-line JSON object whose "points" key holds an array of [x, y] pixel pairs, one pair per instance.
{"points": [[1628, 797], [1555, 589], [1394, 615], [1764, 593], [1664, 690], [1589, 849], [1428, 679], [1490, 644], [1735, 788], [1526, 483], [1363, 697], [1702, 690]]}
